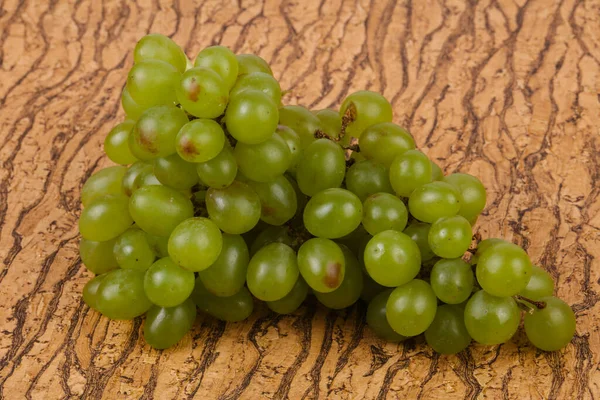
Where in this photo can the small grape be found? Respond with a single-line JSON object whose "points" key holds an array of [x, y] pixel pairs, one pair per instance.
{"points": [[121, 295], [302, 121], [249, 63], [105, 218], [116, 144], [235, 209], [333, 213], [98, 257], [552, 327], [490, 319], [351, 287], [131, 175], [145, 178], [384, 141], [152, 83], [448, 334], [167, 284], [231, 309], [265, 161], [419, 233], [452, 280], [154, 133], [321, 167], [159, 245], [540, 284], [411, 308], [132, 250], [221, 60], [107, 181], [132, 109], [251, 117], [472, 192], [322, 264], [278, 200], [227, 275], [330, 122], [368, 177], [504, 270], [202, 93], [408, 171], [220, 171], [377, 319], [392, 258], [434, 200], [436, 173], [272, 234], [368, 108], [384, 211], [90, 291], [272, 272], [159, 47], [260, 81], [450, 237], [195, 244], [293, 142], [175, 172], [200, 140], [292, 301], [164, 327]]}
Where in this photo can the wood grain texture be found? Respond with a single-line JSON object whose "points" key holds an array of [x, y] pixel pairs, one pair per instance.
{"points": [[507, 90]]}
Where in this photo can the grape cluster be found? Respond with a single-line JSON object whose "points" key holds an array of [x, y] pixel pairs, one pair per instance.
{"points": [[223, 195]]}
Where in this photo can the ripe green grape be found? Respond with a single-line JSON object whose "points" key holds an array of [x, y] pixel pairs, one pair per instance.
{"points": [[331, 123], [377, 319], [202, 93], [322, 264], [483, 246], [392, 258], [419, 233], [251, 117], [159, 209], [278, 200], [291, 301], [448, 334], [411, 308], [131, 175], [221, 60], [195, 244], [260, 81], [434, 200], [452, 280], [159, 47], [98, 257], [490, 319], [175, 172], [271, 234], [552, 327], [167, 284], [272, 272], [302, 121], [408, 171], [472, 192], [154, 133], [121, 294], [333, 213], [235, 209], [504, 270], [293, 142], [249, 63], [132, 250], [152, 83], [367, 177], [164, 327], [371, 288], [159, 245], [200, 140], [450, 237], [540, 284], [231, 309], [322, 166], [107, 181], [90, 291], [132, 109], [436, 173], [220, 171], [116, 144], [227, 275], [105, 218], [145, 178], [265, 161], [384, 141], [368, 108], [384, 211], [351, 287]]}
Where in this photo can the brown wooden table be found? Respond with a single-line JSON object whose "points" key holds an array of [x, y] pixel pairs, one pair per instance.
{"points": [[505, 89]]}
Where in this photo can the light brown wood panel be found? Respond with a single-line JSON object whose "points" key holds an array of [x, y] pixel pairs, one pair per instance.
{"points": [[507, 90]]}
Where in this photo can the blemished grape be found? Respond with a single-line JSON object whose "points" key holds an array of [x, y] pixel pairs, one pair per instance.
{"points": [[331, 123], [116, 144], [367, 108], [175, 172], [291, 301], [164, 327], [221, 60], [152, 83], [98, 257], [272, 272], [251, 117], [265, 161], [408, 171], [131, 175], [159, 47], [278, 200], [154, 133], [293, 142], [411, 308], [231, 309], [235, 209], [433, 201], [392, 258], [220, 171], [351, 287], [260, 81], [121, 295], [195, 244], [419, 233], [166, 284], [322, 264], [133, 251], [249, 63], [504, 270], [322, 166], [472, 192], [490, 319], [227, 275], [202, 93], [452, 280], [384, 141], [132, 109], [302, 121], [436, 173], [448, 334], [370, 288], [105, 218], [552, 327], [107, 181], [368, 177], [384, 211], [540, 284], [271, 234], [450, 237], [158, 244], [200, 140], [377, 319], [90, 291], [333, 213]]}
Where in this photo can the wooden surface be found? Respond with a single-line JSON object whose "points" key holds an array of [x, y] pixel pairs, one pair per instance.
{"points": [[505, 89]]}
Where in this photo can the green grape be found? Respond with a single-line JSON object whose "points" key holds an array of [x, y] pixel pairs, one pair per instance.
{"points": [[278, 200], [450, 237], [121, 294], [231, 309], [272, 234], [145, 178], [392, 258], [448, 334], [235, 209], [333, 213], [132, 109], [202, 93], [131, 175], [265, 161], [384, 211], [370, 288], [552, 327], [249, 63], [152, 83], [159, 245], [260, 81], [411, 308], [159, 47], [302, 121], [377, 319], [164, 327], [351, 287], [322, 264], [452, 280], [272, 272], [105, 218], [107, 181], [133, 251], [159, 209], [436, 173], [366, 108], [221, 60], [322, 166], [200, 140], [384, 141], [98, 257], [490, 319], [167, 284], [227, 275], [293, 142], [154, 133], [473, 195], [116, 144], [195, 244], [220, 171], [251, 117], [504, 270], [434, 200], [291, 301], [301, 198], [483, 246], [367, 177], [331, 123], [354, 240], [540, 284], [419, 233], [90, 291], [408, 171], [175, 172]]}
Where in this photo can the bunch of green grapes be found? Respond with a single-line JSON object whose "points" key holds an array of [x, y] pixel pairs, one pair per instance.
{"points": [[223, 197]]}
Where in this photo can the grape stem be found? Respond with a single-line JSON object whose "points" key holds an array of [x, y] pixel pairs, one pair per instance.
{"points": [[527, 303]]}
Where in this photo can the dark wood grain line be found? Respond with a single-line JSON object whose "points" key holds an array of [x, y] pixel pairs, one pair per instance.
{"points": [[315, 372], [208, 355]]}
